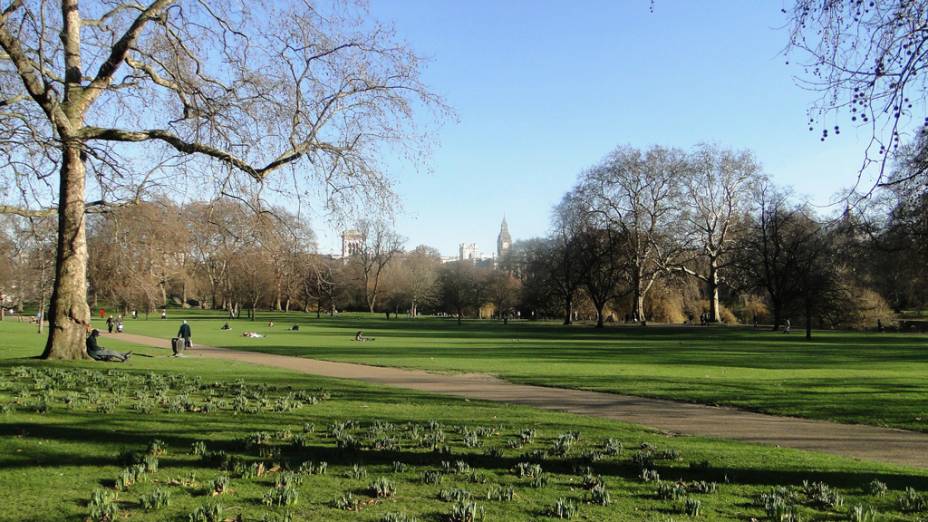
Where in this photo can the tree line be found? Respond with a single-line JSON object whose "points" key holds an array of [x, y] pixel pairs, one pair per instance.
{"points": [[659, 234]]}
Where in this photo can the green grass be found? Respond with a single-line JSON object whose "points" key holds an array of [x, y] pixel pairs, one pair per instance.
{"points": [[865, 378], [51, 462]]}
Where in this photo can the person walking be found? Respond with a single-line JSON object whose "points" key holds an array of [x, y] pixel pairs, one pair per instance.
{"points": [[787, 327], [109, 324], [184, 333]]}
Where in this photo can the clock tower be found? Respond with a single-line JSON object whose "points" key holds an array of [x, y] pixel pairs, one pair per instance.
{"points": [[504, 241]]}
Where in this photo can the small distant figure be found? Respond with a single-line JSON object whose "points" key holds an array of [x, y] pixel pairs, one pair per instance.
{"points": [[755, 321], [361, 338], [135, 314], [164, 313], [98, 353], [270, 324], [102, 313], [119, 325], [295, 328], [252, 335], [184, 333], [879, 325], [109, 324], [225, 326], [787, 327]]}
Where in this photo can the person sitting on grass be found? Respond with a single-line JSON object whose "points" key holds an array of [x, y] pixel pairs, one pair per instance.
{"points": [[226, 326], [360, 337], [99, 353]]}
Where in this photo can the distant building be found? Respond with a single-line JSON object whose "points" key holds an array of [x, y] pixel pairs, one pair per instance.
{"points": [[468, 252], [503, 241], [351, 243]]}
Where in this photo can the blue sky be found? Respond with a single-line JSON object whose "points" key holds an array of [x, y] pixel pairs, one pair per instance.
{"points": [[544, 89]]}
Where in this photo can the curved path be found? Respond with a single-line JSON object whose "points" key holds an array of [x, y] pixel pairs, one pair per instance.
{"points": [[849, 440]]}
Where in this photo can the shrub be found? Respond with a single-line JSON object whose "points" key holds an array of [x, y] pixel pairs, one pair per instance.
{"points": [[150, 463], [822, 495], [382, 488], [599, 495], [465, 512], [494, 452], [399, 467], [862, 513], [281, 496], [779, 505], [431, 476], [255, 470], [130, 476], [309, 468], [643, 458], [156, 448], [102, 506], [454, 495], [539, 480], [590, 481], [357, 472], [346, 502], [877, 488], [219, 485], [563, 508], [207, 513], [612, 447], [703, 487], [155, 500], [398, 517], [650, 475], [912, 502], [287, 479], [670, 490], [691, 507], [501, 493], [198, 448]]}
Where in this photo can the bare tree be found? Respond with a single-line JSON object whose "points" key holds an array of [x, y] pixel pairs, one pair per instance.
{"points": [[378, 246], [715, 197], [868, 59], [636, 194], [561, 264], [255, 87], [421, 264], [460, 289], [778, 252], [503, 291]]}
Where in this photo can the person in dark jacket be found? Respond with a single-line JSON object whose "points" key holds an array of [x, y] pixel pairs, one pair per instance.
{"points": [[99, 353], [184, 333]]}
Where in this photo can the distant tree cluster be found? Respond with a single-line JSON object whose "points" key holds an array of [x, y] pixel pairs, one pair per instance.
{"points": [[645, 235], [674, 236]]}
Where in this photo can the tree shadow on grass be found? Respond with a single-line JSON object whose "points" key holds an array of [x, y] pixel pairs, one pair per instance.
{"points": [[316, 452]]}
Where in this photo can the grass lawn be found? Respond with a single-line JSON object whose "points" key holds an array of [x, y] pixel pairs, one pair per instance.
{"points": [[866, 378], [68, 430]]}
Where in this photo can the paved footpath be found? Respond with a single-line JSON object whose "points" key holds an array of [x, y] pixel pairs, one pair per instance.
{"points": [[849, 440]]}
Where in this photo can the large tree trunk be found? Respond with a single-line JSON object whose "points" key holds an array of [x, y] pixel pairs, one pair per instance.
{"points": [[68, 314], [600, 319], [777, 314], [638, 304], [808, 320], [568, 310], [712, 283]]}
